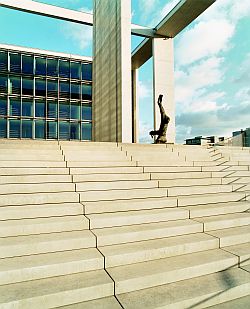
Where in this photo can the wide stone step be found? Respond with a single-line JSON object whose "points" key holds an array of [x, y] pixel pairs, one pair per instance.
{"points": [[242, 251], [34, 179], [181, 175], [42, 225], [224, 221], [7, 165], [243, 187], [57, 291], [100, 164], [172, 169], [165, 163], [157, 156], [147, 250], [44, 243], [36, 188], [35, 171], [82, 157], [122, 194], [39, 198], [30, 157], [116, 185], [29, 146], [243, 180], [238, 168], [25, 268], [30, 151], [132, 204], [106, 170], [189, 182], [239, 303], [144, 275], [109, 177], [232, 236], [200, 292], [136, 217], [102, 303], [87, 145], [41, 211], [217, 209], [125, 234], [206, 162]]}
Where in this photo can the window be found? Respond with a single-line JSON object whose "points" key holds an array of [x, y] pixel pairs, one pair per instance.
{"points": [[3, 106], [52, 109], [75, 91], [15, 128], [40, 66], [64, 89], [40, 108], [86, 92], [52, 67], [64, 130], [40, 129], [75, 130], [15, 63], [64, 109], [3, 61], [86, 112], [15, 107], [3, 83], [3, 128], [86, 131], [52, 88], [75, 110], [28, 86], [87, 71], [27, 64], [27, 108], [52, 129], [40, 87], [64, 68], [75, 70], [27, 128], [15, 85]]}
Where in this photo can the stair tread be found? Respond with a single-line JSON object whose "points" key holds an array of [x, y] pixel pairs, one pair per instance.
{"points": [[239, 303], [102, 303], [241, 250]]}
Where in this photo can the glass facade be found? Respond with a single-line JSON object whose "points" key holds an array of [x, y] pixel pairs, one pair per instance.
{"points": [[44, 97]]}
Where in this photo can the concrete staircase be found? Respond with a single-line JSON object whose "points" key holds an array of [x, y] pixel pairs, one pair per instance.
{"points": [[106, 225]]}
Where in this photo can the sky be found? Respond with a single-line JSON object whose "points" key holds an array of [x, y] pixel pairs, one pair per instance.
{"points": [[212, 60]]}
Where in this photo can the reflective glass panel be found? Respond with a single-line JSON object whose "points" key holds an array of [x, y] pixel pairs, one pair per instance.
{"points": [[52, 67], [75, 70], [3, 83], [27, 128], [75, 91], [86, 131], [52, 129], [86, 92], [40, 129], [64, 68], [64, 109], [40, 87], [3, 128], [15, 128], [3, 61], [52, 88], [64, 89], [28, 64], [40, 108], [15, 85], [3, 106], [64, 130], [87, 71], [75, 110], [27, 108], [52, 109], [15, 63], [28, 86], [86, 112], [15, 107], [75, 130], [40, 64]]}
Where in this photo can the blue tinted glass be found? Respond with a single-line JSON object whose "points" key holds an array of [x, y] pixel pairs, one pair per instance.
{"points": [[15, 107], [40, 66], [40, 129], [3, 128], [75, 91], [15, 130], [64, 109], [3, 106], [27, 108], [28, 64], [64, 89], [52, 109], [27, 128], [3, 61], [86, 112], [64, 68], [40, 108], [28, 86], [52, 88], [86, 131], [52, 130], [15, 85], [75, 110], [86, 92], [87, 71], [3, 83], [64, 130], [52, 67], [75, 130], [40, 85], [75, 70], [15, 63]]}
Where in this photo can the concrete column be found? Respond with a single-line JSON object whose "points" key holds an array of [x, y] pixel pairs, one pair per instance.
{"points": [[112, 98], [135, 107], [163, 81]]}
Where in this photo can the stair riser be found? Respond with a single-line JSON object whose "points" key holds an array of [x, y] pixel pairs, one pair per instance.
{"points": [[211, 226], [179, 176], [35, 179], [220, 210], [30, 157], [110, 177], [175, 191], [106, 170], [34, 171], [27, 164], [189, 182]]}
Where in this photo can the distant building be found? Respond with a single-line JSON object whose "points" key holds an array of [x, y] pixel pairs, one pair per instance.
{"points": [[199, 140], [241, 138]]}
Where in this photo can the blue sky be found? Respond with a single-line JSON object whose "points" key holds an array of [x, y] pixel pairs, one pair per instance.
{"points": [[212, 60]]}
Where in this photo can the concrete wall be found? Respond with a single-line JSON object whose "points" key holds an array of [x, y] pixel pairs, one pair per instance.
{"points": [[112, 99]]}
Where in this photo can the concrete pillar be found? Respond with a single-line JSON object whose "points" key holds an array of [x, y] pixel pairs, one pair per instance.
{"points": [[163, 82], [135, 107], [112, 98]]}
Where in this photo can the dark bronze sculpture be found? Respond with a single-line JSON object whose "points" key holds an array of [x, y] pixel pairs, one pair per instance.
{"points": [[161, 139]]}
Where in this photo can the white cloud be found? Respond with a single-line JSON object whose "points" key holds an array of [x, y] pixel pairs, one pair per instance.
{"points": [[144, 129], [80, 35], [144, 90]]}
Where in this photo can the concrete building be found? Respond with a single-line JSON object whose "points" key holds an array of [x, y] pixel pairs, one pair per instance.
{"points": [[241, 138]]}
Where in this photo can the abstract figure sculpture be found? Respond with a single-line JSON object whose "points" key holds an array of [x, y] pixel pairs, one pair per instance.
{"points": [[161, 139]]}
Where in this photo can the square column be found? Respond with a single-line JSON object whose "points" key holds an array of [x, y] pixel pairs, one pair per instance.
{"points": [[112, 98], [163, 83]]}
